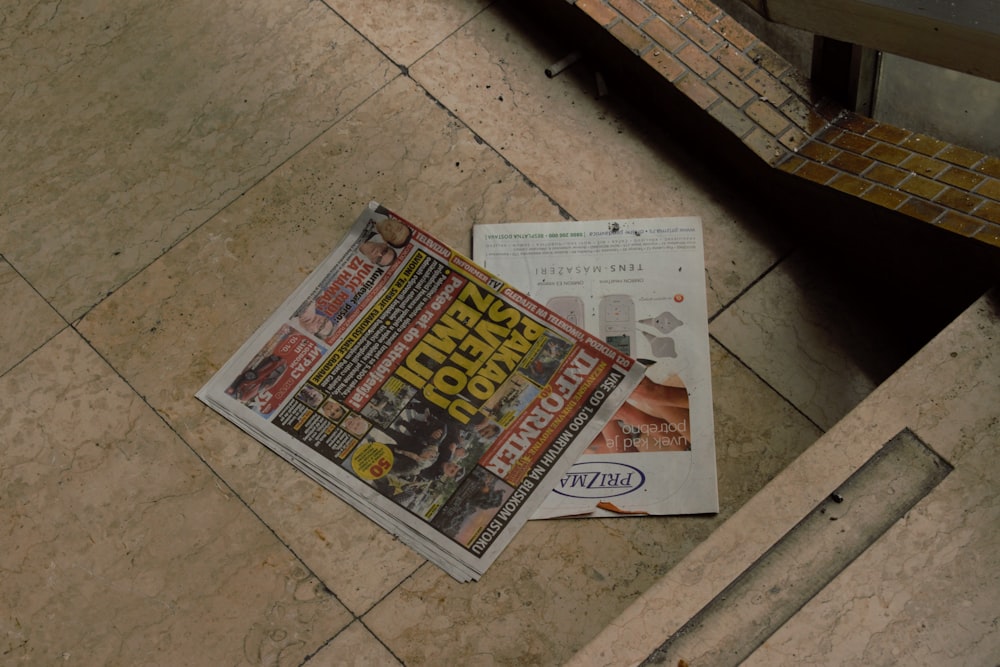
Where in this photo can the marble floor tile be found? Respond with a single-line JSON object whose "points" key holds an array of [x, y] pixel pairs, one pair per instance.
{"points": [[128, 124], [27, 320], [405, 30], [354, 647], [809, 556], [561, 582], [120, 547], [597, 157], [897, 602], [925, 594], [171, 327], [927, 591]]}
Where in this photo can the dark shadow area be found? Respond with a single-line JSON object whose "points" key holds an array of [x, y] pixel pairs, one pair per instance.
{"points": [[903, 280]]}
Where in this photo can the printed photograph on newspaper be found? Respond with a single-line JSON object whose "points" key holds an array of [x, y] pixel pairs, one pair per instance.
{"points": [[423, 390], [639, 285]]}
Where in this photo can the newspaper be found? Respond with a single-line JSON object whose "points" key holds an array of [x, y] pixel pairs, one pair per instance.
{"points": [[640, 286], [435, 398]]}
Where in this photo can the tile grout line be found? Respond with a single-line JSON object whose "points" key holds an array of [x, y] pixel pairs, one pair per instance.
{"points": [[66, 324], [767, 384]]}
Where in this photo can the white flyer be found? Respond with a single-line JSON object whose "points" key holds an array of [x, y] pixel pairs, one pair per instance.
{"points": [[640, 286]]}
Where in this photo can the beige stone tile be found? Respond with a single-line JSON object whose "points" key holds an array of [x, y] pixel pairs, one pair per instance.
{"points": [[561, 582], [806, 341], [354, 647], [27, 321], [924, 594], [598, 158], [171, 327], [126, 125], [407, 29], [927, 591], [121, 547]]}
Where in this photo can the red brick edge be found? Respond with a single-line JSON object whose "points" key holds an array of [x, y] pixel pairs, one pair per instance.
{"points": [[775, 112]]}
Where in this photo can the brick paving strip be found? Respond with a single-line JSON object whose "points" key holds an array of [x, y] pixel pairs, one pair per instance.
{"points": [[777, 113]]}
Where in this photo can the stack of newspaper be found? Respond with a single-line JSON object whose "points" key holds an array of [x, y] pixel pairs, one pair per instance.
{"points": [[431, 395]]}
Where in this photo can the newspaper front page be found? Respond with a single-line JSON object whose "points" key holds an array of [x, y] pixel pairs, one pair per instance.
{"points": [[639, 285], [434, 397]]}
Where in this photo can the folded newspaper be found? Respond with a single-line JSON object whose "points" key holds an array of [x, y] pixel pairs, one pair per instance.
{"points": [[432, 396], [640, 286]]}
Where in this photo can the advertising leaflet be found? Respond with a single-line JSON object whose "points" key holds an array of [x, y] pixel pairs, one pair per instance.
{"points": [[432, 396], [640, 286]]}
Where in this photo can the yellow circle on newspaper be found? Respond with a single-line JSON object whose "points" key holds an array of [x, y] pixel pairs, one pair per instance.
{"points": [[372, 460]]}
